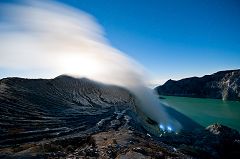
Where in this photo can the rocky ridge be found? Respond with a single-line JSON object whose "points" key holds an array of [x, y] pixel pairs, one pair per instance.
{"points": [[221, 85]]}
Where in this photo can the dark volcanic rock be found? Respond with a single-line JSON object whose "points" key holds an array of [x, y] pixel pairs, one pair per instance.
{"points": [[32, 110], [38, 109], [73, 118], [221, 85], [67, 117], [216, 141]]}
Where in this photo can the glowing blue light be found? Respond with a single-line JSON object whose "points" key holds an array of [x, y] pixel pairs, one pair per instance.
{"points": [[169, 128], [162, 127]]}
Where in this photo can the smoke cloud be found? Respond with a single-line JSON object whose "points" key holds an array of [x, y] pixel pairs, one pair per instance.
{"points": [[54, 39]]}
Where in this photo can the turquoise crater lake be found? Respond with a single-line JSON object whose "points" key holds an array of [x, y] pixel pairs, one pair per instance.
{"points": [[206, 111]]}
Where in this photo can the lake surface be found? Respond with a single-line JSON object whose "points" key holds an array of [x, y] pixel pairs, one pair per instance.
{"points": [[207, 111]]}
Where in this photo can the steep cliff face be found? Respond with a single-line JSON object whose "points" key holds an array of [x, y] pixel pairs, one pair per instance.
{"points": [[221, 85]]}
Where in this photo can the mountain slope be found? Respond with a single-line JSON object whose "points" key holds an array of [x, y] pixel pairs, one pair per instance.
{"points": [[69, 117], [221, 85], [66, 117], [55, 107]]}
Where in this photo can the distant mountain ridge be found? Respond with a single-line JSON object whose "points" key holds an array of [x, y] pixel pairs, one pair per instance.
{"points": [[220, 85]]}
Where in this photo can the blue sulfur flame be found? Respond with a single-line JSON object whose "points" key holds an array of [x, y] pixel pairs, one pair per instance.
{"points": [[169, 128], [162, 127]]}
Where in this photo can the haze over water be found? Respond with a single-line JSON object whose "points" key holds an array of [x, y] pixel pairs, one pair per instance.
{"points": [[207, 111]]}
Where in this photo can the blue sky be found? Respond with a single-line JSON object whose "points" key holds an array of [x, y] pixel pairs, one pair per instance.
{"points": [[172, 39]]}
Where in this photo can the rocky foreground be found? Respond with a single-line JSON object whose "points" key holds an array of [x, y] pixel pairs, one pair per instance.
{"points": [[67, 117], [221, 85]]}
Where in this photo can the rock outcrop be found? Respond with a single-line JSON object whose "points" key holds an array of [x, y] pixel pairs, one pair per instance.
{"points": [[221, 85]]}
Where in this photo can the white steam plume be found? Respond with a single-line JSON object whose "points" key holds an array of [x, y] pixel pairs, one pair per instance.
{"points": [[55, 39]]}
